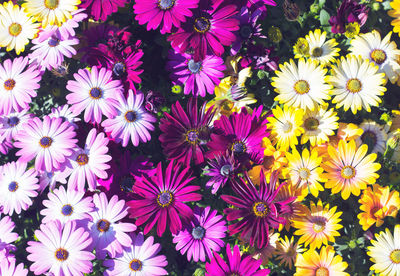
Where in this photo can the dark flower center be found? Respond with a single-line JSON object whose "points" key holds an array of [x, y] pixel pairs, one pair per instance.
{"points": [[260, 209], [13, 186], [53, 42], [317, 52], [103, 225], [9, 84], [82, 159], [319, 224], [198, 232], [369, 138], [164, 199], [238, 147], [201, 25], [192, 136], [311, 124], [96, 93], [15, 29], [378, 56], [226, 170], [194, 67], [245, 31], [130, 116], [135, 265], [126, 183], [166, 4], [13, 121], [61, 254], [45, 142], [67, 210], [119, 69]]}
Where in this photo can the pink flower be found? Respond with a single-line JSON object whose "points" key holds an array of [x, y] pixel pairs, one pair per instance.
{"points": [[10, 269]]}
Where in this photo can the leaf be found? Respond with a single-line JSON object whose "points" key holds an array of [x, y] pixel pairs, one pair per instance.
{"points": [[324, 17], [321, 3]]}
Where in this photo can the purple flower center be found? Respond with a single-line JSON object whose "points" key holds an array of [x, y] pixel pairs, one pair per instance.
{"points": [[67, 210], [9, 84], [13, 121], [50, 174], [61, 254], [96, 93], [226, 170], [13, 186], [126, 183], [130, 116], [166, 4], [53, 42], [135, 265], [245, 31], [164, 199], [82, 159], [119, 69], [194, 67], [103, 225], [45, 142], [201, 25], [238, 147], [192, 136], [198, 232], [260, 209], [61, 70]]}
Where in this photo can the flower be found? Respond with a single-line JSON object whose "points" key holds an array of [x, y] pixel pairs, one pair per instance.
{"points": [[67, 29], [132, 121], [198, 78], [385, 252], [258, 209], [376, 204], [66, 206], [49, 141], [50, 179], [167, 13], [223, 169], [357, 84], [349, 168], [101, 9], [65, 113], [352, 29], [9, 268], [348, 12], [16, 27], [140, 257], [202, 235], [319, 49], [183, 134], [324, 263], [287, 251], [108, 233], [12, 123], [61, 250], [318, 225], [374, 136], [395, 12], [163, 196], [18, 85], [235, 265], [382, 52], [7, 237], [301, 86]]}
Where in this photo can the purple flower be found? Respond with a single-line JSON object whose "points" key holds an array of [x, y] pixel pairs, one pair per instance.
{"points": [[9, 268], [154, 101], [7, 237], [223, 168], [348, 12], [185, 133], [163, 196], [198, 78], [12, 123], [203, 235], [101, 9]]}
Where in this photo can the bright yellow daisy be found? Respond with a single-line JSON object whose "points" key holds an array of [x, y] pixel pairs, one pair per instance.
{"points": [[374, 136], [318, 226], [376, 204], [320, 49], [395, 12], [16, 27], [357, 84], [385, 252], [303, 85], [287, 250], [325, 263]]}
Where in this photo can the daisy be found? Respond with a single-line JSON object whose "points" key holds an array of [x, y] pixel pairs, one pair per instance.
{"points": [[222, 169], [287, 251], [18, 85], [382, 52], [132, 122], [326, 262], [108, 233], [49, 141], [90, 162], [166, 13], [9, 268], [65, 113], [349, 168], [95, 92], [357, 84], [285, 126], [374, 136], [140, 258], [395, 12], [101, 9], [202, 235], [13, 122], [51, 12], [50, 179], [17, 186], [319, 49], [385, 252], [16, 27], [60, 250], [67, 29], [301, 86], [5, 144], [66, 206], [163, 196], [7, 237], [266, 253], [318, 225]]}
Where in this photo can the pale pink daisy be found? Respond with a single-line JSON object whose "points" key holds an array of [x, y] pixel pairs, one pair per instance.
{"points": [[67, 29], [7, 237], [5, 144], [12, 123], [10, 269], [65, 113], [50, 179]]}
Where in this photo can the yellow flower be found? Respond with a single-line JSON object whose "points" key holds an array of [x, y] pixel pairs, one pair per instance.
{"points": [[352, 29], [396, 14], [301, 48], [376, 204], [321, 50], [349, 131], [394, 143], [275, 34], [287, 250]]}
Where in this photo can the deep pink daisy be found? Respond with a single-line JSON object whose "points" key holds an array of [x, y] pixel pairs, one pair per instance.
{"points": [[101, 9]]}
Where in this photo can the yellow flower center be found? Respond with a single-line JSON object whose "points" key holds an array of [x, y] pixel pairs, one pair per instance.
{"points": [[348, 172], [15, 29], [227, 105], [304, 173], [317, 52], [51, 4], [354, 85], [322, 271], [61, 254], [395, 256], [311, 124], [9, 84], [260, 209], [301, 87], [287, 127], [379, 56], [82, 159]]}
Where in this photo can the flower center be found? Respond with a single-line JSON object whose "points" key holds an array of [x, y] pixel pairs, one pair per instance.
{"points": [[126, 183], [317, 52], [395, 256], [245, 31], [9, 84], [13, 186], [301, 87], [13, 121], [369, 138], [201, 25], [95, 93], [130, 116], [319, 225], [198, 232], [45, 142], [53, 42], [378, 56], [238, 147], [287, 127], [15, 29], [304, 173], [311, 124], [322, 271], [103, 225], [82, 159], [353, 85], [260, 209], [348, 172], [135, 265], [291, 252], [166, 4], [51, 4], [227, 105], [61, 254], [226, 170], [192, 136], [119, 69], [194, 67], [164, 199], [67, 210]]}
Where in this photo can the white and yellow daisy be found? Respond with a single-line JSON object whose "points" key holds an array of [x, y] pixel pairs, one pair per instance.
{"points": [[382, 52], [374, 135], [303, 85], [321, 50], [16, 27], [357, 84]]}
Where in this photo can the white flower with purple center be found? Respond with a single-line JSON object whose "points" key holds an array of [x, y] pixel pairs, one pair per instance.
{"points": [[9, 268], [50, 179], [12, 123], [65, 113], [7, 237]]}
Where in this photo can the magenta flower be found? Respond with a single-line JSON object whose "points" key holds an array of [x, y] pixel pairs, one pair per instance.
{"points": [[223, 169], [49, 141], [163, 197], [9, 268], [348, 12], [202, 236], [101, 9], [209, 28], [185, 133], [12, 123], [235, 266], [18, 85], [108, 233], [7, 237], [163, 12], [140, 258], [61, 250], [95, 92], [18, 186]]}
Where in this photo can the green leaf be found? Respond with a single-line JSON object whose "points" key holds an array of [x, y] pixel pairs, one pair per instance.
{"points": [[324, 17], [321, 3]]}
